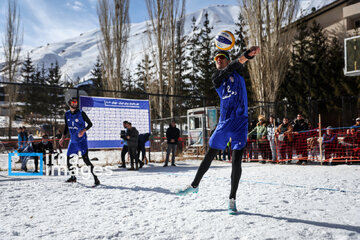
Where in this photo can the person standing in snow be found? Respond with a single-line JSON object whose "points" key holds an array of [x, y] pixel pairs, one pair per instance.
{"points": [[125, 148], [172, 136], [233, 122], [132, 138], [75, 120]]}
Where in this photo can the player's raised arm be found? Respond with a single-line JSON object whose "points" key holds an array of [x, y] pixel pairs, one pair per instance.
{"points": [[249, 54]]}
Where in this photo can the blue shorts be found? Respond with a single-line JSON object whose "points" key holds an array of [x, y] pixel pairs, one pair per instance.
{"points": [[236, 129], [75, 147]]}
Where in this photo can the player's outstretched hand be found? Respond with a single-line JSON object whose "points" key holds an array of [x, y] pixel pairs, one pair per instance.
{"points": [[254, 50]]}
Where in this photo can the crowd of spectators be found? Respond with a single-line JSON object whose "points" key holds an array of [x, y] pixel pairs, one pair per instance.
{"points": [[295, 140]]}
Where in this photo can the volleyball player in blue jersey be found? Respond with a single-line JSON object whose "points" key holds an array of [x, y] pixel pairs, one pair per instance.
{"points": [[233, 122], [75, 120]]}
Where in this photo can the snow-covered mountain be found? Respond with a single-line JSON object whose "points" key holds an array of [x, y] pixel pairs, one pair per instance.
{"points": [[77, 55]]}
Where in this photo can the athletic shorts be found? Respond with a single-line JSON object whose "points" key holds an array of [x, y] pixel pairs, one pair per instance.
{"points": [[236, 129], [75, 147]]}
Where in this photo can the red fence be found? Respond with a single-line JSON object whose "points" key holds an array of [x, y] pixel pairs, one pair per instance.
{"points": [[332, 145]]}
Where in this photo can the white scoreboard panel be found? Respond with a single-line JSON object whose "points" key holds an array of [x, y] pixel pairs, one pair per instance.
{"points": [[107, 116]]}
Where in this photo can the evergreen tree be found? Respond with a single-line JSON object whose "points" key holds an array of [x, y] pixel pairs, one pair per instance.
{"points": [[205, 63], [144, 73], [240, 37], [55, 102], [36, 96], [27, 70], [238, 49], [299, 74], [128, 85], [96, 72], [27, 73], [42, 96], [192, 72], [318, 48], [182, 86]]}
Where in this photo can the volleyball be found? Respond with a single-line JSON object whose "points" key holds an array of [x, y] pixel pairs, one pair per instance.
{"points": [[224, 40]]}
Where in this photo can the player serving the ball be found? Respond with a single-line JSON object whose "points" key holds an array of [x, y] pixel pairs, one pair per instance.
{"points": [[233, 122]]}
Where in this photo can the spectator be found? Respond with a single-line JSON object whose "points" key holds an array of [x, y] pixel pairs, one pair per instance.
{"points": [[261, 134], [132, 137], [330, 143], [172, 135], [352, 140], [285, 139], [20, 139], [354, 128], [46, 148], [28, 148], [25, 134], [58, 137], [300, 139], [251, 142], [356, 135], [143, 138], [271, 137], [125, 148]]}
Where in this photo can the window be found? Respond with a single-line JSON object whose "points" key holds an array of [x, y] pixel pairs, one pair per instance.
{"points": [[357, 23], [195, 122]]}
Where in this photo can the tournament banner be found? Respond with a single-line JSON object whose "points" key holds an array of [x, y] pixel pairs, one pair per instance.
{"points": [[107, 116]]}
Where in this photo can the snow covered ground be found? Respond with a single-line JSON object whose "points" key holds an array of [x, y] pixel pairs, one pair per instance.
{"points": [[274, 202]]}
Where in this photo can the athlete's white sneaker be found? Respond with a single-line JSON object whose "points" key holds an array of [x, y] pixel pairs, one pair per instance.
{"points": [[186, 190], [232, 206]]}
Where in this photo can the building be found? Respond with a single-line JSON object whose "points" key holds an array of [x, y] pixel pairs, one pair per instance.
{"points": [[340, 18]]}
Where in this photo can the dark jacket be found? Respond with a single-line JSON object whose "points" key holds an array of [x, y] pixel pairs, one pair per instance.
{"points": [[287, 130], [300, 125], [42, 148], [330, 139], [143, 138], [134, 137], [172, 133]]}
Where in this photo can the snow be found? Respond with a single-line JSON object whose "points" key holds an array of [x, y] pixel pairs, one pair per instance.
{"points": [[274, 202], [306, 6]]}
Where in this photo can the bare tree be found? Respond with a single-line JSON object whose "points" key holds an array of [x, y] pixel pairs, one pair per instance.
{"points": [[121, 30], [157, 33], [176, 20], [267, 20], [115, 27], [12, 42]]}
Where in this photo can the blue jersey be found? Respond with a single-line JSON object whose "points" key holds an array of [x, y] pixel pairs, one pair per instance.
{"points": [[233, 122], [75, 123], [233, 97]]}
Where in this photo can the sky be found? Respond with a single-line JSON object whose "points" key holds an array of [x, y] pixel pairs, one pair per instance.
{"points": [[49, 21]]}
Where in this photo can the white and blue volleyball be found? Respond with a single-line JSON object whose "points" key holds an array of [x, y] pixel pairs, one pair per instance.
{"points": [[224, 40]]}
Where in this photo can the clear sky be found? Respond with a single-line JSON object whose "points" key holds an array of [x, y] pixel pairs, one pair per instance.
{"points": [[49, 21]]}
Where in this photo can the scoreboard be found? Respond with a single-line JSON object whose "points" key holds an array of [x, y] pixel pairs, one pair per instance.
{"points": [[352, 56], [107, 116]]}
